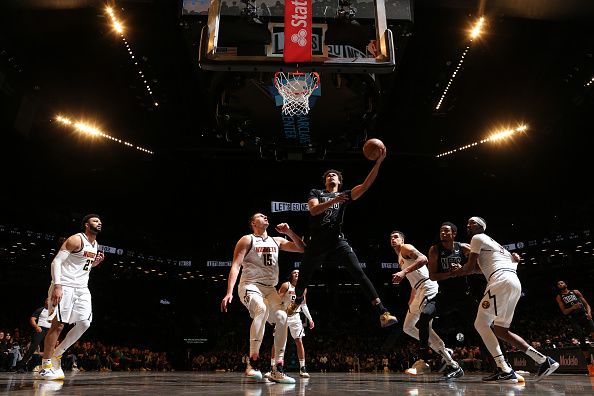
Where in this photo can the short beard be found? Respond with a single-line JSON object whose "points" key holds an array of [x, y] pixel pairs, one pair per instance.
{"points": [[94, 230]]}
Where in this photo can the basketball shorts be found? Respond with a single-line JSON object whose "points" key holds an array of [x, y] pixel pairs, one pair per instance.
{"points": [[253, 295], [296, 326], [74, 306], [500, 299]]}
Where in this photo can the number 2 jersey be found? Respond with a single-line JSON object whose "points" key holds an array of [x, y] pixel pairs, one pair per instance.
{"points": [[76, 268], [260, 264]]}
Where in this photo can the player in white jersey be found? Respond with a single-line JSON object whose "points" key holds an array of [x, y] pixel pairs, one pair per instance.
{"points": [[421, 307], [294, 323], [496, 309], [69, 295], [256, 255]]}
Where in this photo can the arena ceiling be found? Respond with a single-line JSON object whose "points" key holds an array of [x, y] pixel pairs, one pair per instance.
{"points": [[532, 66]]}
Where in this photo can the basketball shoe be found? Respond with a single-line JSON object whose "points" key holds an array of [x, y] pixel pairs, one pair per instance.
{"points": [[385, 319], [418, 368], [278, 375]]}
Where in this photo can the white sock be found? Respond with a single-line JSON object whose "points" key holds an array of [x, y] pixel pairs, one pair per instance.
{"points": [[502, 364], [448, 358], [46, 363], [535, 355], [301, 363]]}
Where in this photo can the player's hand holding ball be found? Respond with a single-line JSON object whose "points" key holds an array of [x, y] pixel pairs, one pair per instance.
{"points": [[374, 150]]}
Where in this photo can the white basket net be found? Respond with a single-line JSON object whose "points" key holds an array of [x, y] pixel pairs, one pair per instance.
{"points": [[296, 88]]}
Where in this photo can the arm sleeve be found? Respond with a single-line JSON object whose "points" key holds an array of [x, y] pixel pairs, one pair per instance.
{"points": [[305, 311], [57, 266]]}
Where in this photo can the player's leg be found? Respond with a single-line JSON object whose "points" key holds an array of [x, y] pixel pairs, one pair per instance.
{"points": [[253, 299], [298, 332], [510, 289], [486, 314], [280, 338], [353, 266], [413, 314], [81, 316], [36, 341], [310, 262], [51, 369], [428, 338]]}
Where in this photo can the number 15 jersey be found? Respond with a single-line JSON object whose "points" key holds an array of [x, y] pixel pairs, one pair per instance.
{"points": [[260, 264]]}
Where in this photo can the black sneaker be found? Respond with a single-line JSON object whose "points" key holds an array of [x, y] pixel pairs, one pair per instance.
{"points": [[452, 372], [546, 368], [500, 376]]}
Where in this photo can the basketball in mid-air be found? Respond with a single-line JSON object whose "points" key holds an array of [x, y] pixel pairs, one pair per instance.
{"points": [[372, 149]]}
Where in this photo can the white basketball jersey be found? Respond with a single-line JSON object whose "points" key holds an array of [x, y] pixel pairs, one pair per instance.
{"points": [[492, 256], [419, 278], [260, 264], [290, 297], [76, 268]]}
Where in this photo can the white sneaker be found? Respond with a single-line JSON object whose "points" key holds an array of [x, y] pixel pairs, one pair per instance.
{"points": [[252, 373], [418, 368], [49, 373], [268, 375], [280, 377], [303, 372]]}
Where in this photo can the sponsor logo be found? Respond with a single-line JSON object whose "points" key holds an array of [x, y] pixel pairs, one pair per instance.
{"points": [[300, 38], [570, 360], [485, 304]]}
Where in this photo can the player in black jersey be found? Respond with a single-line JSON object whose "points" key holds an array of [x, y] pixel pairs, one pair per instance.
{"points": [[443, 257], [573, 305], [327, 242]]}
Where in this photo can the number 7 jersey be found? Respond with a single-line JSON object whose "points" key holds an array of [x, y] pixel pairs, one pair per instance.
{"points": [[260, 264], [76, 268]]}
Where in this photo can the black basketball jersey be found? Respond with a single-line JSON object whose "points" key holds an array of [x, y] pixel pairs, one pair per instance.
{"points": [[445, 259], [329, 223], [569, 300]]}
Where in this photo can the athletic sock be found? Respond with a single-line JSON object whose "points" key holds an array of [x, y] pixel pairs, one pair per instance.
{"points": [[535, 355], [502, 364]]}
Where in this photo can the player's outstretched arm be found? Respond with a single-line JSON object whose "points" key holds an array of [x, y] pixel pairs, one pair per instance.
{"points": [[359, 189]]}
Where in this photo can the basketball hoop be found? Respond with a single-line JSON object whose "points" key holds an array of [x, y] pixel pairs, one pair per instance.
{"points": [[296, 88]]}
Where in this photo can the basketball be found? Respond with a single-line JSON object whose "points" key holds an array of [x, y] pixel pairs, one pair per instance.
{"points": [[371, 149]]}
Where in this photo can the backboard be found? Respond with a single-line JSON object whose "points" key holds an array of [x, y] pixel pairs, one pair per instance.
{"points": [[346, 37]]}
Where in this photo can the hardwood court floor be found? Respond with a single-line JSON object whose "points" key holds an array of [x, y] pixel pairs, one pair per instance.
{"points": [[211, 383]]}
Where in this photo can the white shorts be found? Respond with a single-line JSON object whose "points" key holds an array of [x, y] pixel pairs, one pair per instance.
{"points": [[74, 306], [418, 303], [296, 326], [253, 295], [501, 297]]}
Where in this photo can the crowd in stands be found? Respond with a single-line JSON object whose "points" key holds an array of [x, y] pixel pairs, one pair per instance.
{"points": [[84, 356]]}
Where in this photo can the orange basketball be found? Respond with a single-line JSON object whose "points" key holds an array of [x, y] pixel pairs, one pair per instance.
{"points": [[372, 148]]}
